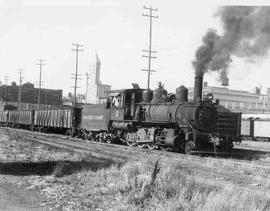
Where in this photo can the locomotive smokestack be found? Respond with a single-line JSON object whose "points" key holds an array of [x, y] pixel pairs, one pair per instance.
{"points": [[198, 83], [225, 82]]}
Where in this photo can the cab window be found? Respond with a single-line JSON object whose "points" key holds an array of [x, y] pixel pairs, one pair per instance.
{"points": [[117, 101]]}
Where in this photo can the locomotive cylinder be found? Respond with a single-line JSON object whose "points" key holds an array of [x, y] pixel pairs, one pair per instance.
{"points": [[172, 139], [198, 88]]}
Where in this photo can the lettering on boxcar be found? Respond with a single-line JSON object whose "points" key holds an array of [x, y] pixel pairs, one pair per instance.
{"points": [[93, 117]]}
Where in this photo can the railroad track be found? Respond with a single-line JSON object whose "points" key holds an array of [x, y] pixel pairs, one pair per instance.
{"points": [[122, 153]]}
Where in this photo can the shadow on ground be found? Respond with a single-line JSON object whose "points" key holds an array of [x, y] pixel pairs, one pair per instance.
{"points": [[57, 168]]}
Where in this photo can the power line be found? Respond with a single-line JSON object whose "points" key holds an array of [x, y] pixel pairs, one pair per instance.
{"points": [[40, 64], [149, 51], [77, 49], [20, 88]]}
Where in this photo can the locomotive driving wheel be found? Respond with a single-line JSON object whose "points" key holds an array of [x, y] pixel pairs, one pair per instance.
{"points": [[189, 146], [151, 136], [151, 145], [130, 140], [108, 138], [141, 136]]}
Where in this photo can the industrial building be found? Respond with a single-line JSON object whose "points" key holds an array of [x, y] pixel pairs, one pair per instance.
{"points": [[96, 92], [9, 95], [238, 100]]}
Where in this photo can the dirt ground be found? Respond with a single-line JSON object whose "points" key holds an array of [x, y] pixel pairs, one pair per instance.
{"points": [[25, 166], [15, 197], [14, 181], [39, 177]]}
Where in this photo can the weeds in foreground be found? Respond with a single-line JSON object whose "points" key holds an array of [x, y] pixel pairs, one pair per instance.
{"points": [[147, 188], [144, 185]]}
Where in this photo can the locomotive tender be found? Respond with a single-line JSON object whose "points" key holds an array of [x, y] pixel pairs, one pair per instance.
{"points": [[143, 118]]}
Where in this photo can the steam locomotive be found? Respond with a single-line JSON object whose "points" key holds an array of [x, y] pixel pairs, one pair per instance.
{"points": [[143, 118]]}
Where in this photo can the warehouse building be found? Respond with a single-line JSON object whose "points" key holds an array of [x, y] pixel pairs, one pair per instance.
{"points": [[49, 98], [238, 100]]}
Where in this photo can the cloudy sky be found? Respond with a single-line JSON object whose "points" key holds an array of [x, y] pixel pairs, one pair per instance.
{"points": [[117, 32]]}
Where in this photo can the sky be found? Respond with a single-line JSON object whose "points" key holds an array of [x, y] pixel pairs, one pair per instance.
{"points": [[117, 32]]}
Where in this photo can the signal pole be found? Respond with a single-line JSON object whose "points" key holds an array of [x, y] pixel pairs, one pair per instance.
{"points": [[77, 46], [149, 51], [20, 88], [6, 79], [40, 64], [87, 83]]}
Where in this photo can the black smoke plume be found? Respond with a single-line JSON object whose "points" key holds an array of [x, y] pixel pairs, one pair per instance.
{"points": [[246, 34]]}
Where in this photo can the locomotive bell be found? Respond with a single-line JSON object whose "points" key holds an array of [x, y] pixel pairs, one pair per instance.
{"points": [[181, 94], [157, 95]]}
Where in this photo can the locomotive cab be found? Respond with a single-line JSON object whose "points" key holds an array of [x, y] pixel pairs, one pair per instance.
{"points": [[122, 103]]}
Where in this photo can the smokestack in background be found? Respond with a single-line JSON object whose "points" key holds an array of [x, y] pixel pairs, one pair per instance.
{"points": [[225, 82], [198, 84]]}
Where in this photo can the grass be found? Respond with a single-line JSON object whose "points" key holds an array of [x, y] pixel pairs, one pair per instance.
{"points": [[148, 184]]}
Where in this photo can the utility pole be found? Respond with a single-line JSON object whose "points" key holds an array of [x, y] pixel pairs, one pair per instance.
{"points": [[6, 79], [87, 83], [149, 51], [40, 64], [20, 89], [77, 49]]}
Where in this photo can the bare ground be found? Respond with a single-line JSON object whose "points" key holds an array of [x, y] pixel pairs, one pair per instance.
{"points": [[16, 197], [51, 179]]}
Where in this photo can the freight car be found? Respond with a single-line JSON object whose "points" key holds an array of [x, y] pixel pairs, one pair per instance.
{"points": [[144, 118], [256, 129], [54, 120]]}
